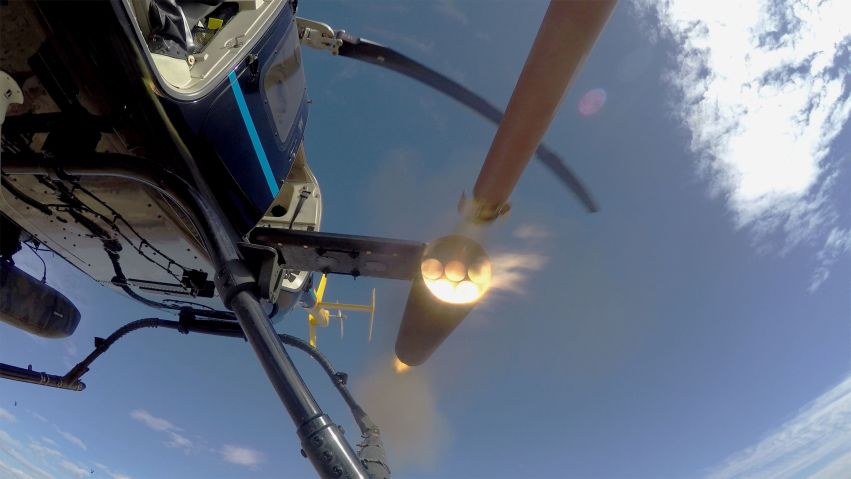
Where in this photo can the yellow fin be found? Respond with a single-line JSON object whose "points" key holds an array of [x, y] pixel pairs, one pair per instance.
{"points": [[311, 328], [320, 291]]}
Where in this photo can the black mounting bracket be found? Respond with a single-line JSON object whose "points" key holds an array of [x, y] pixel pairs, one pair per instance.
{"points": [[265, 264], [343, 254]]}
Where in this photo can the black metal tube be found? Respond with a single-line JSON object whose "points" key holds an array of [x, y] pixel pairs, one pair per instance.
{"points": [[372, 449], [36, 377], [277, 363], [101, 346], [322, 441]]}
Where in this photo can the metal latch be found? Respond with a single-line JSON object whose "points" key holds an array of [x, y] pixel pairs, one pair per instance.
{"points": [[318, 35]]}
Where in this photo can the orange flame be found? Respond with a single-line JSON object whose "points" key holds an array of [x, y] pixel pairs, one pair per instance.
{"points": [[400, 366]]}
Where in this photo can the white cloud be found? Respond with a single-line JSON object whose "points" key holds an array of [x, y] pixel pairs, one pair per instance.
{"points": [[37, 461], [814, 443], [242, 456], [37, 416], [764, 93], [44, 452], [450, 10], [25, 467], [175, 439], [75, 470], [7, 416], [153, 422], [48, 440], [840, 467], [838, 243], [70, 358], [12, 472], [110, 472], [8, 441], [233, 454], [73, 439], [178, 441]]}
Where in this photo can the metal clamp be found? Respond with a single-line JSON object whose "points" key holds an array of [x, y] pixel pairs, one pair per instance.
{"points": [[480, 212], [265, 265], [318, 35], [320, 441], [233, 278]]}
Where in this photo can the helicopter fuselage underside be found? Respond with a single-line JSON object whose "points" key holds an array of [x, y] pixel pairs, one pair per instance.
{"points": [[111, 99]]}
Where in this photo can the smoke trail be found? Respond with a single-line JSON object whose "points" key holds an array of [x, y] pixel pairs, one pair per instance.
{"points": [[404, 406]]}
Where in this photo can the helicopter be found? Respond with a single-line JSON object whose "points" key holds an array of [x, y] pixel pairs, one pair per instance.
{"points": [[158, 147]]}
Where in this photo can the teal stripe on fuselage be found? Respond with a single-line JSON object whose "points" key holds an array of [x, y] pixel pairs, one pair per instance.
{"points": [[252, 133]]}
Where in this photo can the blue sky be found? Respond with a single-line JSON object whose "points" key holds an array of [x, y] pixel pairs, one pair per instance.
{"points": [[697, 326]]}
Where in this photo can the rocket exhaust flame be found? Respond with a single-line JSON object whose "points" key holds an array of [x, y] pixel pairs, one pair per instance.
{"points": [[456, 270], [455, 275], [399, 366]]}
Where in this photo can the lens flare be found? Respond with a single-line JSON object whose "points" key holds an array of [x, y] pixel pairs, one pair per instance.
{"points": [[432, 269], [592, 101], [399, 366]]}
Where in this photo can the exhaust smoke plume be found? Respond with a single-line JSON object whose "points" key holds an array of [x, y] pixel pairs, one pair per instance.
{"points": [[404, 406], [512, 272]]}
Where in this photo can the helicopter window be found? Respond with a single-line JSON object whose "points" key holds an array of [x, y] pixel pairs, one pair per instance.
{"points": [[283, 86]]}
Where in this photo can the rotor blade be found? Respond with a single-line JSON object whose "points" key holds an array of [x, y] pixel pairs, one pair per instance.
{"points": [[377, 54], [567, 34]]}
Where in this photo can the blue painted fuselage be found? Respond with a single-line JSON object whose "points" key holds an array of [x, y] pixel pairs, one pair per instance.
{"points": [[249, 127]]}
